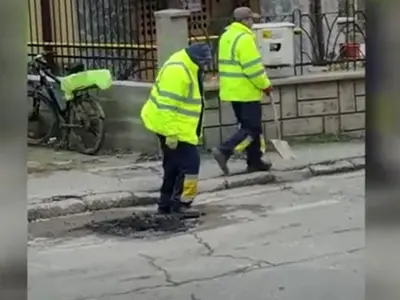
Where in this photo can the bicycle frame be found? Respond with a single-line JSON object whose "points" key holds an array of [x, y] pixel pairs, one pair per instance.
{"points": [[71, 116], [44, 83]]}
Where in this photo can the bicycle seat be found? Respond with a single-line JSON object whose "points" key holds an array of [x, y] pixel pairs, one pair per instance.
{"points": [[75, 68]]}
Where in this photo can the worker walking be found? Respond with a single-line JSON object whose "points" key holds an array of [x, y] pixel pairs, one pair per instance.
{"points": [[174, 111], [243, 82]]}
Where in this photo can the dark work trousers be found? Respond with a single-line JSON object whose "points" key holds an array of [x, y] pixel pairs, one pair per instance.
{"points": [[181, 169], [248, 115]]}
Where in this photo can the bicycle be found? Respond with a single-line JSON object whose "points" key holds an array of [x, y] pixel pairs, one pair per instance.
{"points": [[74, 111]]}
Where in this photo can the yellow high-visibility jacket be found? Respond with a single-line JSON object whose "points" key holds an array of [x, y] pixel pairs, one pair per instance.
{"points": [[175, 105], [241, 73]]}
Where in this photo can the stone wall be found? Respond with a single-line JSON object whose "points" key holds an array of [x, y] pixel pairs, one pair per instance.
{"points": [[329, 103]]}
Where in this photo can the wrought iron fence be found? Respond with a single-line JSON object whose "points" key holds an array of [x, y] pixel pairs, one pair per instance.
{"points": [[114, 34], [322, 41], [120, 35]]}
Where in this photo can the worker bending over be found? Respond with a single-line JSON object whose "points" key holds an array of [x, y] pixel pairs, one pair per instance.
{"points": [[174, 111], [243, 82]]}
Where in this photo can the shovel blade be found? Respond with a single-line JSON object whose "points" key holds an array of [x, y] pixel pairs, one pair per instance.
{"points": [[283, 149]]}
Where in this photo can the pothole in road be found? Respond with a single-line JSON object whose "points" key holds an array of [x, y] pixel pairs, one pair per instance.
{"points": [[145, 225]]}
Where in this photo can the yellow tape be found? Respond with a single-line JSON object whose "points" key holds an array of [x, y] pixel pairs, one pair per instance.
{"points": [[243, 144], [247, 141], [189, 190], [263, 146], [267, 34]]}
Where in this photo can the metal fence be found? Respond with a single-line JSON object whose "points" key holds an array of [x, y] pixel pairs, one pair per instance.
{"points": [[323, 41], [115, 34], [120, 35]]}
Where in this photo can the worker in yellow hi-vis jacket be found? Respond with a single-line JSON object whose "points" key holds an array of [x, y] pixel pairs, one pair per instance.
{"points": [[243, 82], [174, 111]]}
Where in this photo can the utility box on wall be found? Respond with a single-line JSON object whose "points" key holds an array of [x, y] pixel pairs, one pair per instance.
{"points": [[276, 43]]}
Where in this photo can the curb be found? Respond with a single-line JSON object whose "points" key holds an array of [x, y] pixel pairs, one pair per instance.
{"points": [[121, 199]]}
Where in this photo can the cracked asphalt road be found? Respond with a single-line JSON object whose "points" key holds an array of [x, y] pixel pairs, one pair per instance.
{"points": [[301, 241]]}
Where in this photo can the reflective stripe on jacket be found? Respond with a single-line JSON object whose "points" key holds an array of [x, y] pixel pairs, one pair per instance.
{"points": [[175, 105], [241, 73]]}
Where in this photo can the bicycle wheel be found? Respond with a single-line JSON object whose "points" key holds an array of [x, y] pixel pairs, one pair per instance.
{"points": [[43, 120], [86, 122]]}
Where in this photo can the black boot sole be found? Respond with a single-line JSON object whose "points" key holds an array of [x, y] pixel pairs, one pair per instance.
{"points": [[222, 163]]}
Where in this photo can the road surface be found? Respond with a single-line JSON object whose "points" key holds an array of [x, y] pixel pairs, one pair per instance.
{"points": [[299, 241]]}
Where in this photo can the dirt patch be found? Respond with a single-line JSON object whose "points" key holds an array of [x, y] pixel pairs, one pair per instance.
{"points": [[145, 225]]}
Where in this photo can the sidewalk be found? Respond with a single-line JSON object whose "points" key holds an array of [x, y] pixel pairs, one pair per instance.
{"points": [[61, 183]]}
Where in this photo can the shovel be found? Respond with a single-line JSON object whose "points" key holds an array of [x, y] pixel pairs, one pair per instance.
{"points": [[281, 146]]}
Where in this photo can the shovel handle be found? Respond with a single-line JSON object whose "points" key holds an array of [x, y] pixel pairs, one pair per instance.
{"points": [[276, 118]]}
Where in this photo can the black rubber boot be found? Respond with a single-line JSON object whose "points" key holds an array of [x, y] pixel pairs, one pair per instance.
{"points": [[163, 210], [186, 210], [164, 205], [221, 160], [262, 166]]}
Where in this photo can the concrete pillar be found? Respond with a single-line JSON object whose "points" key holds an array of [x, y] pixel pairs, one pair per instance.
{"points": [[172, 32], [174, 4], [255, 6]]}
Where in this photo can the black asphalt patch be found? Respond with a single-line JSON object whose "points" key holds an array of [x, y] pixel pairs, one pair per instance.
{"points": [[146, 225]]}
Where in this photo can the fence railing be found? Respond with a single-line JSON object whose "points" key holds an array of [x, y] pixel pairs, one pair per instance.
{"points": [[120, 35], [322, 42], [115, 34]]}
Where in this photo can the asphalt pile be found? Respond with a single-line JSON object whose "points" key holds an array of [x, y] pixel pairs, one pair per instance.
{"points": [[145, 225]]}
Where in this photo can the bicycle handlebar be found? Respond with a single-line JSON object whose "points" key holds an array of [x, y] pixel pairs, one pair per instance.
{"points": [[38, 56], [39, 62]]}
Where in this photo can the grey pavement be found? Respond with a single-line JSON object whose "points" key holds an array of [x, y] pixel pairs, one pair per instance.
{"points": [[66, 184], [301, 240], [63, 174]]}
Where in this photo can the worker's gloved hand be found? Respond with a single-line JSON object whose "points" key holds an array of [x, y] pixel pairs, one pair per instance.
{"points": [[268, 90], [171, 142]]}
